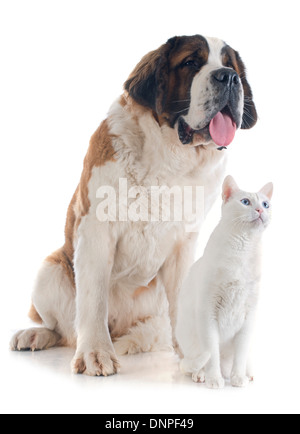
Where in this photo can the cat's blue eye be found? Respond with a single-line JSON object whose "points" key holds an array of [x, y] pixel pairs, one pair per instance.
{"points": [[266, 204], [246, 202]]}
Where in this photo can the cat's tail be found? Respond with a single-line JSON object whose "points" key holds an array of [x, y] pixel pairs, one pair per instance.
{"points": [[191, 366]]}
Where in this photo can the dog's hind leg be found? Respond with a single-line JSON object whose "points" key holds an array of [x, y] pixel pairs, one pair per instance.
{"points": [[34, 339], [153, 334], [53, 306]]}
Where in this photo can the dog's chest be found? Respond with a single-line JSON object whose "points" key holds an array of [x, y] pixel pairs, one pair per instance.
{"points": [[142, 250]]}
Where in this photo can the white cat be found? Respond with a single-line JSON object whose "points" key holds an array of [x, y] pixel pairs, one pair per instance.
{"points": [[218, 300]]}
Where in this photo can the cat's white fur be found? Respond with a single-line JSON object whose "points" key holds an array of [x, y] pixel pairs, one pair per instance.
{"points": [[219, 298]]}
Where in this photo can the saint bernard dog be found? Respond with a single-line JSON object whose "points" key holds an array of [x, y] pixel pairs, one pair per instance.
{"points": [[113, 287]]}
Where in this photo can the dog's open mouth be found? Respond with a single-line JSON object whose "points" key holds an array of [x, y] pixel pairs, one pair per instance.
{"points": [[221, 130]]}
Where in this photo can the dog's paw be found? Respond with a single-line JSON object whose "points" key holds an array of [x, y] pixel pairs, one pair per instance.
{"points": [[95, 363], [199, 377], [34, 339], [125, 345], [215, 382], [240, 381]]}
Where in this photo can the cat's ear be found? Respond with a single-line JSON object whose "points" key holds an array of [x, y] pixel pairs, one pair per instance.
{"points": [[229, 188], [267, 190]]}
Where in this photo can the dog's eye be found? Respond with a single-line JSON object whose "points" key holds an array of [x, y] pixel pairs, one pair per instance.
{"points": [[191, 64], [229, 64]]}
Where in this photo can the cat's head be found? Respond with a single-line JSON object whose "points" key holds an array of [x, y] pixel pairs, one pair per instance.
{"points": [[248, 210]]}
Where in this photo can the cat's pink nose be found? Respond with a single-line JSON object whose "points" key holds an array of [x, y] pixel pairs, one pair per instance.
{"points": [[259, 210]]}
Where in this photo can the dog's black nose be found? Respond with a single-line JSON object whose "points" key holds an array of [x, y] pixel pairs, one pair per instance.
{"points": [[227, 77]]}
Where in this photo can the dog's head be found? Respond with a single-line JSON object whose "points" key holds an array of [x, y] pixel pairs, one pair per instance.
{"points": [[197, 86]]}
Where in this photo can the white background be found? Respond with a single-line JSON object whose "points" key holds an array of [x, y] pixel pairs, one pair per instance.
{"points": [[62, 64]]}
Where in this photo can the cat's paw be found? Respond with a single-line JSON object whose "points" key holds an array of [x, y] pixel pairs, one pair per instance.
{"points": [[240, 381], [95, 363], [199, 377], [215, 382]]}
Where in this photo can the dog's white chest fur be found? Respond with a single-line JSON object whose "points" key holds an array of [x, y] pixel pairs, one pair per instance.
{"points": [[141, 251]]}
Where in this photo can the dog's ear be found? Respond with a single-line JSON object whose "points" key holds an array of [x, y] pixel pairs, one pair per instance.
{"points": [[148, 83], [250, 113]]}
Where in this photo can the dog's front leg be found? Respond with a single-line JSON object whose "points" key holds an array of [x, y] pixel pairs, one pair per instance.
{"points": [[95, 355], [173, 273]]}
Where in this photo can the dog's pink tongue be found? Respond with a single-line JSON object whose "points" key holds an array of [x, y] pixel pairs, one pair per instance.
{"points": [[222, 129]]}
